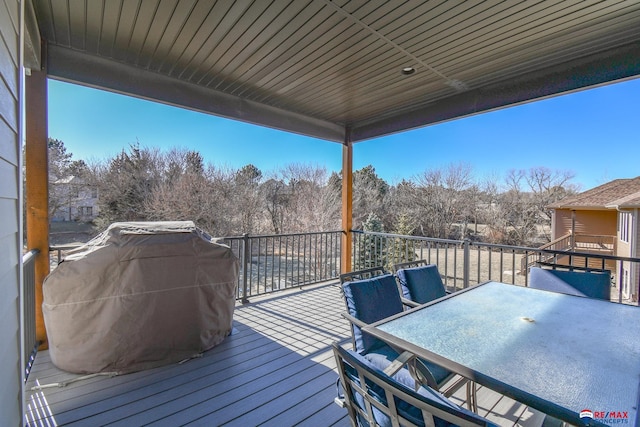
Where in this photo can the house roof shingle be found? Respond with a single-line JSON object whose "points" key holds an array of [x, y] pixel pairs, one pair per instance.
{"points": [[630, 201], [619, 193]]}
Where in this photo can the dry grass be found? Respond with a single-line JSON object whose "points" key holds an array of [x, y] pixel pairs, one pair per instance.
{"points": [[484, 265]]}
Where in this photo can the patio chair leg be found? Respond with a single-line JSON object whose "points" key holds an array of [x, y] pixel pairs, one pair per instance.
{"points": [[339, 399], [472, 401]]}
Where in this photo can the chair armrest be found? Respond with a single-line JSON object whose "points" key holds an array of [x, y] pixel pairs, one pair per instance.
{"points": [[353, 320], [397, 364], [419, 370], [422, 373], [409, 303]]}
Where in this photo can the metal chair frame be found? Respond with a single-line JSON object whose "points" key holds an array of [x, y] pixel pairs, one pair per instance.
{"points": [[393, 390], [423, 374], [362, 274], [409, 264]]}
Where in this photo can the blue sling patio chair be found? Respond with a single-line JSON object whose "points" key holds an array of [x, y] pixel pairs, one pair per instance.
{"points": [[372, 295], [419, 282], [374, 397], [592, 284]]}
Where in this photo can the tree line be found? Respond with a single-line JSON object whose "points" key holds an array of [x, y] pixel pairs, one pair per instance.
{"points": [[147, 184]]}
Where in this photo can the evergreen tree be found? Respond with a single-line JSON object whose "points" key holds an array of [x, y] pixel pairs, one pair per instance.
{"points": [[401, 249], [62, 167], [370, 252], [127, 184]]}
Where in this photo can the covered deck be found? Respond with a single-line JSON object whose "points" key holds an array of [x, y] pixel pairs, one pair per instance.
{"points": [[342, 71], [276, 369]]}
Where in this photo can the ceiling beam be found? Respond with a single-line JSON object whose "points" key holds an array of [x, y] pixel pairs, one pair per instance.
{"points": [[103, 73], [32, 42], [605, 67]]}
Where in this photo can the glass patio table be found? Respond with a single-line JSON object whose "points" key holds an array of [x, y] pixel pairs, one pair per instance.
{"points": [[561, 354]]}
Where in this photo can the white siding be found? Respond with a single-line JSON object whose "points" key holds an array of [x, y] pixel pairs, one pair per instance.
{"points": [[10, 261]]}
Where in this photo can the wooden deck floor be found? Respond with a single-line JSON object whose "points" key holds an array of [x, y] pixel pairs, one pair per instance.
{"points": [[276, 369]]}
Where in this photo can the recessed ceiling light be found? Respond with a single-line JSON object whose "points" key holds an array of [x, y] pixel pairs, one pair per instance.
{"points": [[407, 71]]}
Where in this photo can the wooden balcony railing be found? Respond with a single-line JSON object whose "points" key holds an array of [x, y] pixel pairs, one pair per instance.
{"points": [[589, 243]]}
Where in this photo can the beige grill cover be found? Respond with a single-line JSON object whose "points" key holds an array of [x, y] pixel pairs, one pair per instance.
{"points": [[139, 295]]}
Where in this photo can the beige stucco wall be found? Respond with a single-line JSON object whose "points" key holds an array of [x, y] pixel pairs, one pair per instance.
{"points": [[596, 222]]}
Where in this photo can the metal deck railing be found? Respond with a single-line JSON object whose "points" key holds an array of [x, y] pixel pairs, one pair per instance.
{"points": [[463, 263], [29, 310], [270, 263]]}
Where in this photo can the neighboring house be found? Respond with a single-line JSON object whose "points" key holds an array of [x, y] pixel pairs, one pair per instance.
{"points": [[603, 219], [72, 199]]}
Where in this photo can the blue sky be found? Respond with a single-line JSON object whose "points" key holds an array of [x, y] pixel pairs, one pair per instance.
{"points": [[593, 133]]}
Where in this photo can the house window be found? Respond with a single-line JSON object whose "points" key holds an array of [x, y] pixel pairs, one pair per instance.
{"points": [[625, 226], [85, 210], [94, 193]]}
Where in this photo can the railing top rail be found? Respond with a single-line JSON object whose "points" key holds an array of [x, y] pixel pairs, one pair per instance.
{"points": [[513, 248], [450, 241], [588, 255], [252, 236], [29, 255], [403, 236], [595, 235], [262, 236], [559, 239], [508, 247], [65, 247]]}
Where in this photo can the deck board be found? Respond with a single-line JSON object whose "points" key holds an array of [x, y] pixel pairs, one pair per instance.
{"points": [[276, 369]]}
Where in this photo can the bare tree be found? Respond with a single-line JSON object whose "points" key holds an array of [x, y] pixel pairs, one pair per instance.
{"points": [[141, 184], [489, 210], [312, 201], [525, 216], [549, 186], [469, 211], [277, 197], [440, 196], [184, 193], [248, 205]]}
